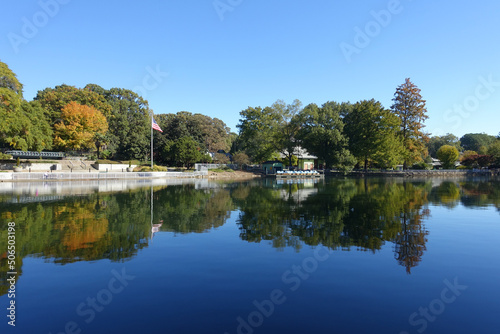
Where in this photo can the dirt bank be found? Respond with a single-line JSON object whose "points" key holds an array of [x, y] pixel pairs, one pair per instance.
{"points": [[236, 175]]}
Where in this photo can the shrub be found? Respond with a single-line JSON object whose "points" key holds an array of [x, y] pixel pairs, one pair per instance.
{"points": [[4, 156], [154, 169], [478, 160], [421, 166], [448, 155], [106, 154], [107, 162], [222, 170]]}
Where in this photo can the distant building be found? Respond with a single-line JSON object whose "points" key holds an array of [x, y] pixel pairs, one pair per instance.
{"points": [[306, 161], [271, 167], [436, 163]]}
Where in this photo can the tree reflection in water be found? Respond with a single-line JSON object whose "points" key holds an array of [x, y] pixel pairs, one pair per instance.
{"points": [[338, 213]]}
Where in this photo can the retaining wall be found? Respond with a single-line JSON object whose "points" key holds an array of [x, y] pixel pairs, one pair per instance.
{"points": [[33, 166], [112, 167]]}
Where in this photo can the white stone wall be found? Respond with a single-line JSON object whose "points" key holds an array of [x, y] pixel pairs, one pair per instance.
{"points": [[34, 166], [112, 167]]}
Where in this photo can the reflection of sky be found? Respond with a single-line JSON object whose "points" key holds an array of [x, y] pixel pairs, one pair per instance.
{"points": [[201, 283], [464, 232]]}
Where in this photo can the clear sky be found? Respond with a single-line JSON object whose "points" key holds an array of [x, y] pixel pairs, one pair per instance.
{"points": [[219, 57]]}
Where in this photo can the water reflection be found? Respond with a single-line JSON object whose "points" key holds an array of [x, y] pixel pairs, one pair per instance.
{"points": [[92, 222], [340, 214]]}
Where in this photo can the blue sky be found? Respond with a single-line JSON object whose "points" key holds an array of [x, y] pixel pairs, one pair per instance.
{"points": [[189, 55]]}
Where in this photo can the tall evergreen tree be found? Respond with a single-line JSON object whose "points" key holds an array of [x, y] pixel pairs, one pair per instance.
{"points": [[410, 108]]}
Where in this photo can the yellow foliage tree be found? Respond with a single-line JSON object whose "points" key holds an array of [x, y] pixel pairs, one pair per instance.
{"points": [[79, 126]]}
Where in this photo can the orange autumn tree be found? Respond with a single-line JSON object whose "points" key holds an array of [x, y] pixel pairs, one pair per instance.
{"points": [[79, 126]]}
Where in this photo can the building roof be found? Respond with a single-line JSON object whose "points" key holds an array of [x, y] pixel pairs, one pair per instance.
{"points": [[300, 153]]}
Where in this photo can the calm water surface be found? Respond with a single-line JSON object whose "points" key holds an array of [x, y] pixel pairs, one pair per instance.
{"points": [[335, 256]]}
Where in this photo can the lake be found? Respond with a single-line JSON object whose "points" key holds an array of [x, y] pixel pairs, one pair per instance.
{"points": [[339, 255]]}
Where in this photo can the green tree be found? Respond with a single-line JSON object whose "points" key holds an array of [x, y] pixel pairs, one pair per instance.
{"points": [[494, 151], [322, 135], [129, 123], [13, 120], [256, 132], [410, 108], [212, 134], [373, 133], [241, 159], [55, 99], [38, 132], [435, 142], [221, 158], [478, 142], [448, 155], [186, 151], [23, 124], [286, 128], [8, 80]]}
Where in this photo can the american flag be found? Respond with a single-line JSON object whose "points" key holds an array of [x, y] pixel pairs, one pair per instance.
{"points": [[155, 125]]}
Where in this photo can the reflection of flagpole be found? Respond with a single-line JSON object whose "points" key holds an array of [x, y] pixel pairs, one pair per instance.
{"points": [[151, 206], [154, 227]]}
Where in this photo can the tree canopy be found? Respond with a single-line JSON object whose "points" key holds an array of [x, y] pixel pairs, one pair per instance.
{"points": [[23, 124], [478, 142], [118, 121], [322, 134], [373, 134], [8, 80], [256, 131], [78, 127], [55, 99], [129, 123], [435, 142]]}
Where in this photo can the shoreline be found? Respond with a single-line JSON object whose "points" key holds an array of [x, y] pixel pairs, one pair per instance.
{"points": [[236, 175], [59, 176], [419, 173]]}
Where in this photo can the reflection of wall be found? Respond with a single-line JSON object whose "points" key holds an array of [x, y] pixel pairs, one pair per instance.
{"points": [[31, 191], [299, 195]]}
